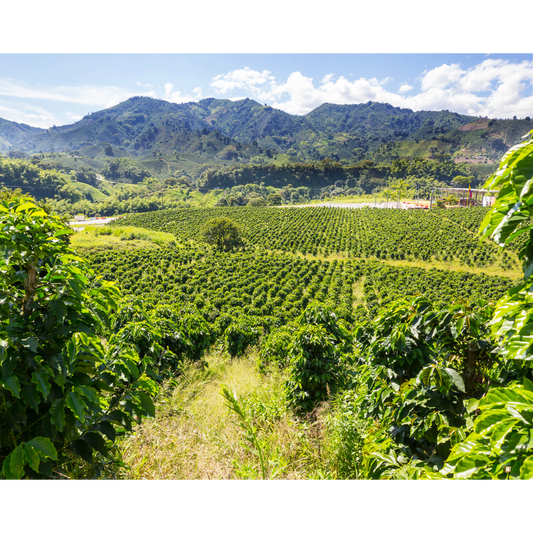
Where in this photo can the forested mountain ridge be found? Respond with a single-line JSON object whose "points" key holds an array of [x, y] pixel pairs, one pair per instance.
{"points": [[12, 133], [243, 129]]}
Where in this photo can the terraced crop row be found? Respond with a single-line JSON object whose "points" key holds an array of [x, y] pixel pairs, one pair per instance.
{"points": [[264, 284], [384, 283], [446, 235]]}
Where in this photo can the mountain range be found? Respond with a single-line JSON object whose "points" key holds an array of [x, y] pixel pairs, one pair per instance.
{"points": [[239, 131]]}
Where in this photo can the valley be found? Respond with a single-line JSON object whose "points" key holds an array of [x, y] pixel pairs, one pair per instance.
{"points": [[235, 319]]}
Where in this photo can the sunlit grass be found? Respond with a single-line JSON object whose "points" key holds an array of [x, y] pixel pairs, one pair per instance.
{"points": [[100, 238], [195, 436], [491, 270]]}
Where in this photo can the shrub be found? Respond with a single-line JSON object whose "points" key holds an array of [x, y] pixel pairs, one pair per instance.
{"points": [[239, 335], [275, 350], [315, 370], [63, 397]]}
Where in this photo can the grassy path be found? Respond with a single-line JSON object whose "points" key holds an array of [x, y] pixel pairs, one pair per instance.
{"points": [[195, 436]]}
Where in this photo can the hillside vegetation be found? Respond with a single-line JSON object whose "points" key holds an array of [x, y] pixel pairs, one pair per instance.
{"points": [[244, 130], [314, 343], [215, 144]]}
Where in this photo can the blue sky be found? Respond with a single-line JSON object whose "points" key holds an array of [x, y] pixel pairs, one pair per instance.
{"points": [[47, 89]]}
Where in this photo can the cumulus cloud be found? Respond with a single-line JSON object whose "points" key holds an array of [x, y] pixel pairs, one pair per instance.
{"points": [[495, 87], [176, 97], [441, 77], [246, 78]]}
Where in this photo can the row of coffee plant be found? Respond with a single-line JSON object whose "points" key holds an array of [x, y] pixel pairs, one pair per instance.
{"points": [[266, 284], [444, 235], [256, 284], [384, 284]]}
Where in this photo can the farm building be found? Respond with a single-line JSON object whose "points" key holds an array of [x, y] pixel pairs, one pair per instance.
{"points": [[465, 197]]}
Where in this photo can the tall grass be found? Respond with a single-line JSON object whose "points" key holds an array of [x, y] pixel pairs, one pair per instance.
{"points": [[198, 433]]}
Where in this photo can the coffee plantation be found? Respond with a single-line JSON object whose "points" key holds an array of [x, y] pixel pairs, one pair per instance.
{"points": [[336, 343], [440, 234]]}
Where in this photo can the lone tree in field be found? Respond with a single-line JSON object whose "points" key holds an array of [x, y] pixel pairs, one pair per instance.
{"points": [[223, 233]]}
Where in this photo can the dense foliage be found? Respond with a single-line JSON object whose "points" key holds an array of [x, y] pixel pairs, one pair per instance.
{"points": [[222, 233], [450, 389], [64, 394], [427, 373], [445, 235], [19, 173], [272, 286]]}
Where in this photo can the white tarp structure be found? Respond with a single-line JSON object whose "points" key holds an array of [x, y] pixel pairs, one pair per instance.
{"points": [[488, 201]]}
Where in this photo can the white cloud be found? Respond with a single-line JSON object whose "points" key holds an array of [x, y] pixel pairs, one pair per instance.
{"points": [[441, 77], [145, 84], [73, 117], [241, 79], [298, 95], [176, 97], [495, 88], [99, 96], [36, 117]]}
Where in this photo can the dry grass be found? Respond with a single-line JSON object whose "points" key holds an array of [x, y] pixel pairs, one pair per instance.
{"points": [[194, 434]]}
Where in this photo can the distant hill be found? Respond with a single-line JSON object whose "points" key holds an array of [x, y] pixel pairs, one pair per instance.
{"points": [[246, 131], [13, 133]]}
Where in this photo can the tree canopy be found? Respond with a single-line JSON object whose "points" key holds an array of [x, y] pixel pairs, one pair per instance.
{"points": [[223, 233]]}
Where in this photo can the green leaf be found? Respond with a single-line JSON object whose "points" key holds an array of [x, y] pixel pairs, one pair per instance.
{"points": [[145, 402], [13, 467], [504, 395], [485, 422], [31, 343], [12, 384], [456, 379], [76, 405], [526, 472], [84, 450], [30, 396], [107, 429], [145, 383], [57, 414], [59, 309], [528, 384], [44, 446], [3, 350], [500, 430], [32, 457], [96, 441], [468, 465], [25, 207], [40, 378], [425, 375]]}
